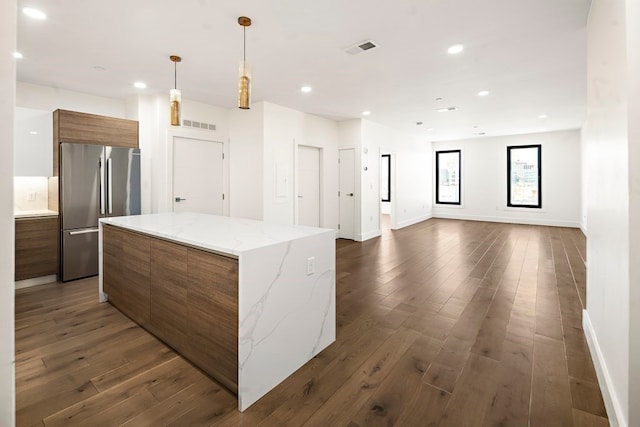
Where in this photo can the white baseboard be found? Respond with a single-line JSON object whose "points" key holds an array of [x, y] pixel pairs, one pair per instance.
{"points": [[584, 229], [367, 236], [412, 221], [611, 401], [509, 220], [36, 281]]}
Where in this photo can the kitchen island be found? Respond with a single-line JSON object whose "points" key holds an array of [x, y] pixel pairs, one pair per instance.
{"points": [[246, 301]]}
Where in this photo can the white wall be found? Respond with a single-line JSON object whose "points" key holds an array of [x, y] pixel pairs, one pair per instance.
{"points": [[410, 169], [413, 182], [608, 162], [50, 99], [264, 144], [283, 131], [156, 142], [246, 128], [374, 138], [8, 11], [323, 133], [484, 180], [350, 136], [633, 87]]}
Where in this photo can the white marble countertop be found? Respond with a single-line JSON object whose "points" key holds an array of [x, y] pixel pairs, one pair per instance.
{"points": [[221, 234], [34, 213]]}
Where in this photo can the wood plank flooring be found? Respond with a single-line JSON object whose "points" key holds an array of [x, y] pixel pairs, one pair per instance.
{"points": [[450, 323]]}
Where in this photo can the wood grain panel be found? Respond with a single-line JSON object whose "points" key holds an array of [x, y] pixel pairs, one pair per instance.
{"points": [[36, 249], [128, 286], [212, 318], [86, 128], [169, 292], [83, 128]]}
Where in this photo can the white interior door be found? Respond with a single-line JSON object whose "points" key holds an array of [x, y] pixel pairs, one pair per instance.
{"points": [[347, 194], [197, 176], [309, 186]]}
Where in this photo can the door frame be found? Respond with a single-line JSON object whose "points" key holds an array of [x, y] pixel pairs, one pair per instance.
{"points": [[296, 182], [201, 136], [392, 187]]}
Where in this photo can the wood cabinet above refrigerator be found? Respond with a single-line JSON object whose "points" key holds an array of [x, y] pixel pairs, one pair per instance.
{"points": [[84, 128]]}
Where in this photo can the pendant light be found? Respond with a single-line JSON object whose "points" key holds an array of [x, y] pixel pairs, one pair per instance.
{"points": [[244, 84], [174, 94]]}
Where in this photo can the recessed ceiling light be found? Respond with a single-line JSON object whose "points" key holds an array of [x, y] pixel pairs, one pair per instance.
{"points": [[99, 68], [438, 99], [430, 129], [483, 93], [456, 48], [34, 13], [444, 110], [18, 55], [33, 132], [542, 116], [140, 85], [306, 89], [366, 113], [418, 123]]}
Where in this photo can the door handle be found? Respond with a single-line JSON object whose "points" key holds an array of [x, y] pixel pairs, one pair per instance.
{"points": [[75, 233], [102, 200], [350, 194], [299, 197], [110, 185], [178, 199]]}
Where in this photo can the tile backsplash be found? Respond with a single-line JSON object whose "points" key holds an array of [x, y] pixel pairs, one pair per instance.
{"points": [[30, 193]]}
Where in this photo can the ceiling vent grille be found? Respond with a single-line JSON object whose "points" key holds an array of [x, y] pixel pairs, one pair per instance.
{"points": [[361, 47], [198, 125]]}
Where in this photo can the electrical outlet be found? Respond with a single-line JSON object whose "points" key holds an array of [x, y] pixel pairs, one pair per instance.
{"points": [[311, 265]]}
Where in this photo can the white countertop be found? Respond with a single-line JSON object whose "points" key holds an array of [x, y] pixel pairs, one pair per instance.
{"points": [[34, 213], [220, 234]]}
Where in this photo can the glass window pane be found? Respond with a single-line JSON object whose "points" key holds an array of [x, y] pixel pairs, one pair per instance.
{"points": [[524, 176], [448, 177]]}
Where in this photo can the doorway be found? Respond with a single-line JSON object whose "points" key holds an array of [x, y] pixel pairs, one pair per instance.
{"points": [[346, 193], [385, 192], [198, 176], [309, 186]]}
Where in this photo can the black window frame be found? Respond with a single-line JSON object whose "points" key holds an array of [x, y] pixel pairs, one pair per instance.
{"points": [[459, 202], [388, 160], [515, 147]]}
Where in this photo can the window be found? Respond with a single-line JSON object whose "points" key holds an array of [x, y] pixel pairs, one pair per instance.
{"points": [[524, 178], [385, 178], [448, 177]]}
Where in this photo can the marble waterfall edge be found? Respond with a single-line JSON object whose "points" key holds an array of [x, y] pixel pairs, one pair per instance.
{"points": [[286, 316]]}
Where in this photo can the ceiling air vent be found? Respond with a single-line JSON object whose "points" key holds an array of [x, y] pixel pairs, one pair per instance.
{"points": [[361, 47]]}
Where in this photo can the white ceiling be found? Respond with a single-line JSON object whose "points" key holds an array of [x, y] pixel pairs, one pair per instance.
{"points": [[531, 55]]}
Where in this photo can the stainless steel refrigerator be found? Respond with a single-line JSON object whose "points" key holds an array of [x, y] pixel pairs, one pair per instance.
{"points": [[96, 181]]}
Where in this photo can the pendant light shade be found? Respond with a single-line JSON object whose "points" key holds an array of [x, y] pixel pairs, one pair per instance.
{"points": [[244, 82], [175, 96]]}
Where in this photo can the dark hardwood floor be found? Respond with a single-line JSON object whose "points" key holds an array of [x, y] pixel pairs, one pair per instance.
{"points": [[450, 323]]}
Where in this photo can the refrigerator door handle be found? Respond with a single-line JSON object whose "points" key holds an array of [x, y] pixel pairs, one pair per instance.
{"points": [[102, 201], [110, 185], [75, 233]]}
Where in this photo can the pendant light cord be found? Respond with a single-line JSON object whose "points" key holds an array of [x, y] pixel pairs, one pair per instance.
{"points": [[244, 44], [175, 74]]}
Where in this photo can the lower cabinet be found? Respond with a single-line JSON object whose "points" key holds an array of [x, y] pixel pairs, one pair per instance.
{"points": [[36, 249], [186, 297]]}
